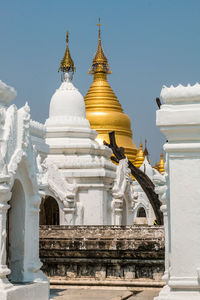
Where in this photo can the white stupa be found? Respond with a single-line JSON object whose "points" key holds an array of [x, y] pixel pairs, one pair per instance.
{"points": [[143, 211], [85, 173]]}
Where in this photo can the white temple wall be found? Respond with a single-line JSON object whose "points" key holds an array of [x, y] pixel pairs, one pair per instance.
{"points": [[184, 218], [94, 205]]}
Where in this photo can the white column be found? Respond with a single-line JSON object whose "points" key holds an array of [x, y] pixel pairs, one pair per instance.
{"points": [[32, 263], [165, 217], [117, 211], [179, 121], [5, 196]]}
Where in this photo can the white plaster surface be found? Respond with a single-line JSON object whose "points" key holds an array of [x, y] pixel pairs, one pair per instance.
{"points": [[181, 94], [30, 291], [67, 101], [180, 123]]}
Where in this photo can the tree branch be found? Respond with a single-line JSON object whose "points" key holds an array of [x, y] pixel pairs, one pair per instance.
{"points": [[144, 181]]}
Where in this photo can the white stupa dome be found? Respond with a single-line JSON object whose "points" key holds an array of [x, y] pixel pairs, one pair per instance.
{"points": [[67, 101]]}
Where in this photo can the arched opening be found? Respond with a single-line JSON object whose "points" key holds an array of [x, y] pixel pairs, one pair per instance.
{"points": [[49, 211], [140, 216], [16, 233], [141, 213], [124, 214]]}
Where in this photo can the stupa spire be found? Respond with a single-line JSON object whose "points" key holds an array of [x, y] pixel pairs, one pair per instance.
{"points": [[161, 165], [67, 63], [103, 109], [139, 156], [100, 62]]}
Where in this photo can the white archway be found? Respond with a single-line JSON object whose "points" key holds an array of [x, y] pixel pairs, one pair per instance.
{"points": [[140, 215], [49, 211]]}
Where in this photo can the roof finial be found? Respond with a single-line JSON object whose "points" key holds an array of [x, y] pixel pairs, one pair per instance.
{"points": [[67, 37], [99, 25], [139, 156], [161, 165], [67, 64], [100, 63]]}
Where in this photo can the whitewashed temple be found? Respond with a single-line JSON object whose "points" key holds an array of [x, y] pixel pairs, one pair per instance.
{"points": [[57, 173], [84, 186], [20, 198]]}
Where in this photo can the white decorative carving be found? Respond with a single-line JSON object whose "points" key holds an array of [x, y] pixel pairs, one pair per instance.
{"points": [[181, 93], [37, 129], [122, 191], [123, 179], [7, 93], [63, 190], [160, 185]]}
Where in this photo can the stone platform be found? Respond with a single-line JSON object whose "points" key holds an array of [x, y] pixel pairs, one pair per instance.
{"points": [[102, 253]]}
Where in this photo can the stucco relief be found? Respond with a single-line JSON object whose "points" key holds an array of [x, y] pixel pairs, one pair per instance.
{"points": [[63, 190], [122, 191]]}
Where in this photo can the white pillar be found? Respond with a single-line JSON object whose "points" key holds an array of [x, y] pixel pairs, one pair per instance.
{"points": [[117, 211], [179, 121], [32, 263], [5, 196]]}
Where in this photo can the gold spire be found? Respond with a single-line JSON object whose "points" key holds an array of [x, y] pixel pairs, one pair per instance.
{"points": [[67, 63], [100, 62], [161, 165], [103, 109], [139, 157]]}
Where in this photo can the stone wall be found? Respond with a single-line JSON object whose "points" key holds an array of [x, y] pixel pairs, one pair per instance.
{"points": [[102, 252]]}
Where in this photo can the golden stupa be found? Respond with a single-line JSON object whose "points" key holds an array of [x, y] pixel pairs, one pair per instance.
{"points": [[103, 109], [139, 156], [161, 164]]}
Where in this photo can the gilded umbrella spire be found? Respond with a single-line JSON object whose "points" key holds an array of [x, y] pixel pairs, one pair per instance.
{"points": [[103, 109], [100, 62], [161, 165], [139, 156], [67, 64]]}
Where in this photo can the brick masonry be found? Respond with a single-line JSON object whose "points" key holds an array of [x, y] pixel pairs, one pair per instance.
{"points": [[102, 252]]}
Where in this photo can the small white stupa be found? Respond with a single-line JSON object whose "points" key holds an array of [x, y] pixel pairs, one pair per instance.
{"points": [[143, 211], [79, 169]]}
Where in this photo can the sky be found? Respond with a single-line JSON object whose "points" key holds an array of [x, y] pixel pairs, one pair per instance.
{"points": [[148, 43]]}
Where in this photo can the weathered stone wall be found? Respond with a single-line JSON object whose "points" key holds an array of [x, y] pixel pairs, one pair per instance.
{"points": [[102, 252]]}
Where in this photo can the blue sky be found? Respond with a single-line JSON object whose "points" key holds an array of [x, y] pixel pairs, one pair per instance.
{"points": [[148, 43]]}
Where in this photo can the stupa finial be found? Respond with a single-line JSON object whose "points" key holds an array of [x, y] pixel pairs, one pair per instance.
{"points": [[99, 25], [100, 62], [67, 63]]}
